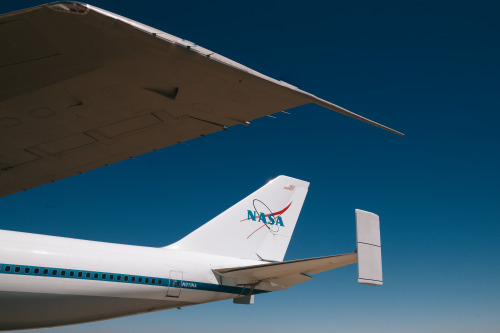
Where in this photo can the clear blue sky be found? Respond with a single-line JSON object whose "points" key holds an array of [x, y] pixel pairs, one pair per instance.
{"points": [[427, 68]]}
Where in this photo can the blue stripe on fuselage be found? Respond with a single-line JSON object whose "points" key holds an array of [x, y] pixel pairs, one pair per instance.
{"points": [[65, 273]]}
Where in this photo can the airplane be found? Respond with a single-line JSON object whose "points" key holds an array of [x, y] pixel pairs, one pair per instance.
{"points": [[50, 281], [81, 88]]}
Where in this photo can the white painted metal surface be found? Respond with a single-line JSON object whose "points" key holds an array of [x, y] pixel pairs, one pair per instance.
{"points": [[368, 248], [265, 223]]}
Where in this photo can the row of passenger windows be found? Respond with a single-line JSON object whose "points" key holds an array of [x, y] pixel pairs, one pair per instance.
{"points": [[79, 274]]}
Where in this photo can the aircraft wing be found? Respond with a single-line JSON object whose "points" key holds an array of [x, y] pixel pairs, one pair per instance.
{"points": [[81, 88], [287, 273]]}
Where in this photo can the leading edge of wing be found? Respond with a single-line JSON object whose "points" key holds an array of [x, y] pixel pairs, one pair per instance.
{"points": [[228, 62]]}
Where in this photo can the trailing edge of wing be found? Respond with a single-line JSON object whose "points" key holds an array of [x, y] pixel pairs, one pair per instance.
{"points": [[286, 273]]}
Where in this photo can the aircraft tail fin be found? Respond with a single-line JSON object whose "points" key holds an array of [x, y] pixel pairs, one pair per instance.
{"points": [[258, 227]]}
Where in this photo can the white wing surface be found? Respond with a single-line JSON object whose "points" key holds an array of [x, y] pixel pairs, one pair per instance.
{"points": [[81, 88]]}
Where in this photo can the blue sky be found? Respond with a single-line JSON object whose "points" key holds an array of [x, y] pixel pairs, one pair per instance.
{"points": [[427, 68]]}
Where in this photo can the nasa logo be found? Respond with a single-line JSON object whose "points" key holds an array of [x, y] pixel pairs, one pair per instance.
{"points": [[267, 219]]}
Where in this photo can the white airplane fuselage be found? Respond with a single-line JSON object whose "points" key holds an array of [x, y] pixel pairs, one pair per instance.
{"points": [[51, 281]]}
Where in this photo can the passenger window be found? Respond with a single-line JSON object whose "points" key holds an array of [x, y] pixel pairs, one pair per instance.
{"points": [[71, 273], [17, 269], [54, 272], [26, 270], [140, 280], [7, 268], [125, 278], [87, 275], [147, 280], [132, 279], [36, 270], [159, 281], [96, 275], [111, 277], [103, 276], [153, 281], [80, 274], [118, 277], [63, 273], [45, 271]]}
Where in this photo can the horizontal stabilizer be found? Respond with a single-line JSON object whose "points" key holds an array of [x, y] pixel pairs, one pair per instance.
{"points": [[287, 273], [368, 248]]}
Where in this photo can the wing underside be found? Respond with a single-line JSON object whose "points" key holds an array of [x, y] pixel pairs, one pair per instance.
{"points": [[81, 88]]}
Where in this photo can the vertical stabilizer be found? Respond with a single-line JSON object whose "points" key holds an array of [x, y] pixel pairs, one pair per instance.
{"points": [[258, 227], [368, 248]]}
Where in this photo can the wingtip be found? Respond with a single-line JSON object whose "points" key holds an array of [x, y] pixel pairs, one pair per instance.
{"points": [[339, 109], [392, 130], [346, 112]]}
